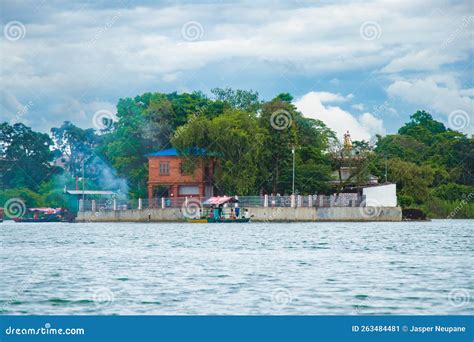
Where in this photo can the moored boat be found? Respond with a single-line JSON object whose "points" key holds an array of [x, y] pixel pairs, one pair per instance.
{"points": [[196, 220], [222, 220], [229, 220], [223, 209], [36, 215]]}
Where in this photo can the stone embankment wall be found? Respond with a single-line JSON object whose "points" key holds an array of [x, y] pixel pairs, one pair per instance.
{"points": [[263, 214]]}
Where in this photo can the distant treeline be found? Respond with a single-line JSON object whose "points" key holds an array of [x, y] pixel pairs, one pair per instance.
{"points": [[432, 165]]}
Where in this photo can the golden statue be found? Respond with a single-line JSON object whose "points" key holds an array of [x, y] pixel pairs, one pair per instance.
{"points": [[347, 141]]}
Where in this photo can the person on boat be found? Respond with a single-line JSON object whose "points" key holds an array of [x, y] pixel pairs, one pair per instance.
{"points": [[246, 213], [237, 212], [232, 215], [219, 211], [211, 213]]}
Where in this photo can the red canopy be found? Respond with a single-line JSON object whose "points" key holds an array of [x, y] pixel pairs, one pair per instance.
{"points": [[220, 200], [46, 210]]}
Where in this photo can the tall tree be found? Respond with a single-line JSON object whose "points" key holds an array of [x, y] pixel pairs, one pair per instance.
{"points": [[279, 119], [75, 144], [422, 127], [241, 99], [26, 156]]}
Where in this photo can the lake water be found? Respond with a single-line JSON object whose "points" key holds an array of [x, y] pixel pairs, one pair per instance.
{"points": [[257, 268]]}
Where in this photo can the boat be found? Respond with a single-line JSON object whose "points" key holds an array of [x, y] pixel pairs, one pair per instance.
{"points": [[197, 220], [216, 210], [229, 220], [222, 220], [36, 215]]}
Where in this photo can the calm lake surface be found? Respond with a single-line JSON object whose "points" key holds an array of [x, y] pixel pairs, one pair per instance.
{"points": [[257, 268]]}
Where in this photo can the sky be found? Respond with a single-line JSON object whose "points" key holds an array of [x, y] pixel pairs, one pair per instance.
{"points": [[362, 66]]}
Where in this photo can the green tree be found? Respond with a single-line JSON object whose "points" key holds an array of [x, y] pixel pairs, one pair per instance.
{"points": [[146, 124], [413, 181], [240, 99], [422, 127], [237, 141], [76, 145], [26, 156], [279, 119], [453, 192], [403, 147]]}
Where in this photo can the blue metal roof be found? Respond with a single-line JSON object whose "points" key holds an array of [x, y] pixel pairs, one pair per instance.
{"points": [[173, 152]]}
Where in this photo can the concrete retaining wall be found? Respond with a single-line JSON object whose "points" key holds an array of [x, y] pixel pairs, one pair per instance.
{"points": [[259, 215]]}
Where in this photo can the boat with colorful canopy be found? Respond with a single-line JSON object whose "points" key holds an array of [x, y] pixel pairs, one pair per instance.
{"points": [[35, 215], [221, 209]]}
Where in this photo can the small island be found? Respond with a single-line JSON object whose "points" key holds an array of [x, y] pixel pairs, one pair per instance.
{"points": [[266, 153]]}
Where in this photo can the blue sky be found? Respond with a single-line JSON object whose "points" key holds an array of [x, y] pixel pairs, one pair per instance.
{"points": [[362, 66]]}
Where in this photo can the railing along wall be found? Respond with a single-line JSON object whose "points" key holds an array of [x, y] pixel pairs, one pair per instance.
{"points": [[272, 201]]}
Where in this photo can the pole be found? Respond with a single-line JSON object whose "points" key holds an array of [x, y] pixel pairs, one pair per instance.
{"points": [[83, 180], [386, 171], [293, 188]]}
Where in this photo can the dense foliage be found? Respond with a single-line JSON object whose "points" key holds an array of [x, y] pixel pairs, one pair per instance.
{"points": [[433, 166]]}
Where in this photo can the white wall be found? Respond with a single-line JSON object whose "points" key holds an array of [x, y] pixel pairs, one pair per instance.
{"points": [[381, 195]]}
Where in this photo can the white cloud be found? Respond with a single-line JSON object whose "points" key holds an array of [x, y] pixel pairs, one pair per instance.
{"points": [[327, 97], [438, 93], [358, 106], [422, 60], [372, 124], [362, 128], [95, 52]]}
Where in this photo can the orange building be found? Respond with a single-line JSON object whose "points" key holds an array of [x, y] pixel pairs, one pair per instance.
{"points": [[166, 177]]}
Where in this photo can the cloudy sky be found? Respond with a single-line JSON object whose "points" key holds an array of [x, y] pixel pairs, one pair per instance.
{"points": [[364, 66]]}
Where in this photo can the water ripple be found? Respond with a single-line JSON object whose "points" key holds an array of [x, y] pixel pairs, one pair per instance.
{"points": [[304, 268]]}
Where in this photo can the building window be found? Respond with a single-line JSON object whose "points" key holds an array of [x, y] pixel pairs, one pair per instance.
{"points": [[164, 168], [188, 190]]}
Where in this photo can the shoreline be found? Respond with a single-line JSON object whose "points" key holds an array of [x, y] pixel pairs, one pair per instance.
{"points": [[266, 214]]}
